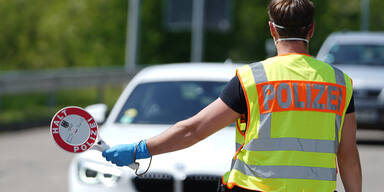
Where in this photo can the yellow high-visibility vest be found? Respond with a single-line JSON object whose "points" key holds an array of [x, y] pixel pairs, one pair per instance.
{"points": [[296, 107]]}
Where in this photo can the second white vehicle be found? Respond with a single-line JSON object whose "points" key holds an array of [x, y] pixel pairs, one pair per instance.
{"points": [[156, 98], [361, 56]]}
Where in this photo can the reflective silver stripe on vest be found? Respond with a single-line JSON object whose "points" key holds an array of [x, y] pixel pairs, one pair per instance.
{"points": [[238, 145], [258, 72], [339, 76], [260, 76], [233, 163], [291, 144], [265, 125], [286, 172]]}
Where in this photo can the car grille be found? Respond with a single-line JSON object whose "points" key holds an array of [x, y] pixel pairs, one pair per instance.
{"points": [[165, 182], [366, 93], [154, 182], [195, 183]]}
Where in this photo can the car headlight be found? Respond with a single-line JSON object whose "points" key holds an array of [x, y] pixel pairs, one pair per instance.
{"points": [[90, 172]]}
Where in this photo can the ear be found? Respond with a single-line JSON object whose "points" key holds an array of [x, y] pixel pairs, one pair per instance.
{"points": [[272, 29], [311, 31]]}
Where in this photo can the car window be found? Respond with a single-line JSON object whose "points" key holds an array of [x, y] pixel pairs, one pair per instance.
{"points": [[168, 102], [356, 54]]}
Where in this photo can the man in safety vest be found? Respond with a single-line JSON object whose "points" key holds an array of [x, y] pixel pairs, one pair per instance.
{"points": [[294, 115]]}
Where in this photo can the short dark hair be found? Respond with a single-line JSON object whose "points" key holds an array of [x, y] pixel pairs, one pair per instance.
{"points": [[296, 16]]}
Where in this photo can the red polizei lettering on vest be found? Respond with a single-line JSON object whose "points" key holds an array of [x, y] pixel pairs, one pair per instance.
{"points": [[275, 96]]}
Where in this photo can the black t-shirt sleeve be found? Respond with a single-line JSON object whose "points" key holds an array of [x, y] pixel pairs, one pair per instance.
{"points": [[351, 106], [233, 96]]}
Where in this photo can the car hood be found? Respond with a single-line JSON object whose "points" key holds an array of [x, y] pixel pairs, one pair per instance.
{"points": [[364, 77], [211, 156]]}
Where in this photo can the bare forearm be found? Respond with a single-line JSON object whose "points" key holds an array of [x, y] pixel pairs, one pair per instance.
{"points": [[185, 133], [350, 171], [177, 137], [348, 156]]}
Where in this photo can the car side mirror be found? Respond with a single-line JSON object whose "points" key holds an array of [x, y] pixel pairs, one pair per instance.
{"points": [[98, 112]]}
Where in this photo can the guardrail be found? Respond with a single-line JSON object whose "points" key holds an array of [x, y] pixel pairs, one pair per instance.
{"points": [[50, 81], [53, 80]]}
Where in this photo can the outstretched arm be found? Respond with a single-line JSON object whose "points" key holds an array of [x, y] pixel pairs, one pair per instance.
{"points": [[348, 156], [185, 133]]}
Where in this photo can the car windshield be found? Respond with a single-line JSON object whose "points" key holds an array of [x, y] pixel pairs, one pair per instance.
{"points": [[168, 102], [356, 54]]}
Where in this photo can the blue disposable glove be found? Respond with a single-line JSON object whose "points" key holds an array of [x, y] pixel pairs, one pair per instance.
{"points": [[123, 155]]}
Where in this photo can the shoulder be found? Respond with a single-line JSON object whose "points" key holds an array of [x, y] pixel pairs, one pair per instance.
{"points": [[340, 74], [334, 68], [340, 71], [249, 67]]}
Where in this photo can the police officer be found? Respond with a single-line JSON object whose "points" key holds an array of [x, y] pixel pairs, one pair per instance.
{"points": [[294, 115]]}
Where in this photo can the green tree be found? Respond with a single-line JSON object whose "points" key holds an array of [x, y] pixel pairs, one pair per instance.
{"points": [[57, 34]]}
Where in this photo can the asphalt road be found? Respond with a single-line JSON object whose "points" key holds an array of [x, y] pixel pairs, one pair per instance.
{"points": [[30, 161]]}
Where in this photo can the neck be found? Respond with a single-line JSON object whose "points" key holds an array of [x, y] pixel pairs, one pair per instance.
{"points": [[284, 47]]}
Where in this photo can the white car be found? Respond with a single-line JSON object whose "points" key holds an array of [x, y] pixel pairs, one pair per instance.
{"points": [[361, 56], [156, 98]]}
